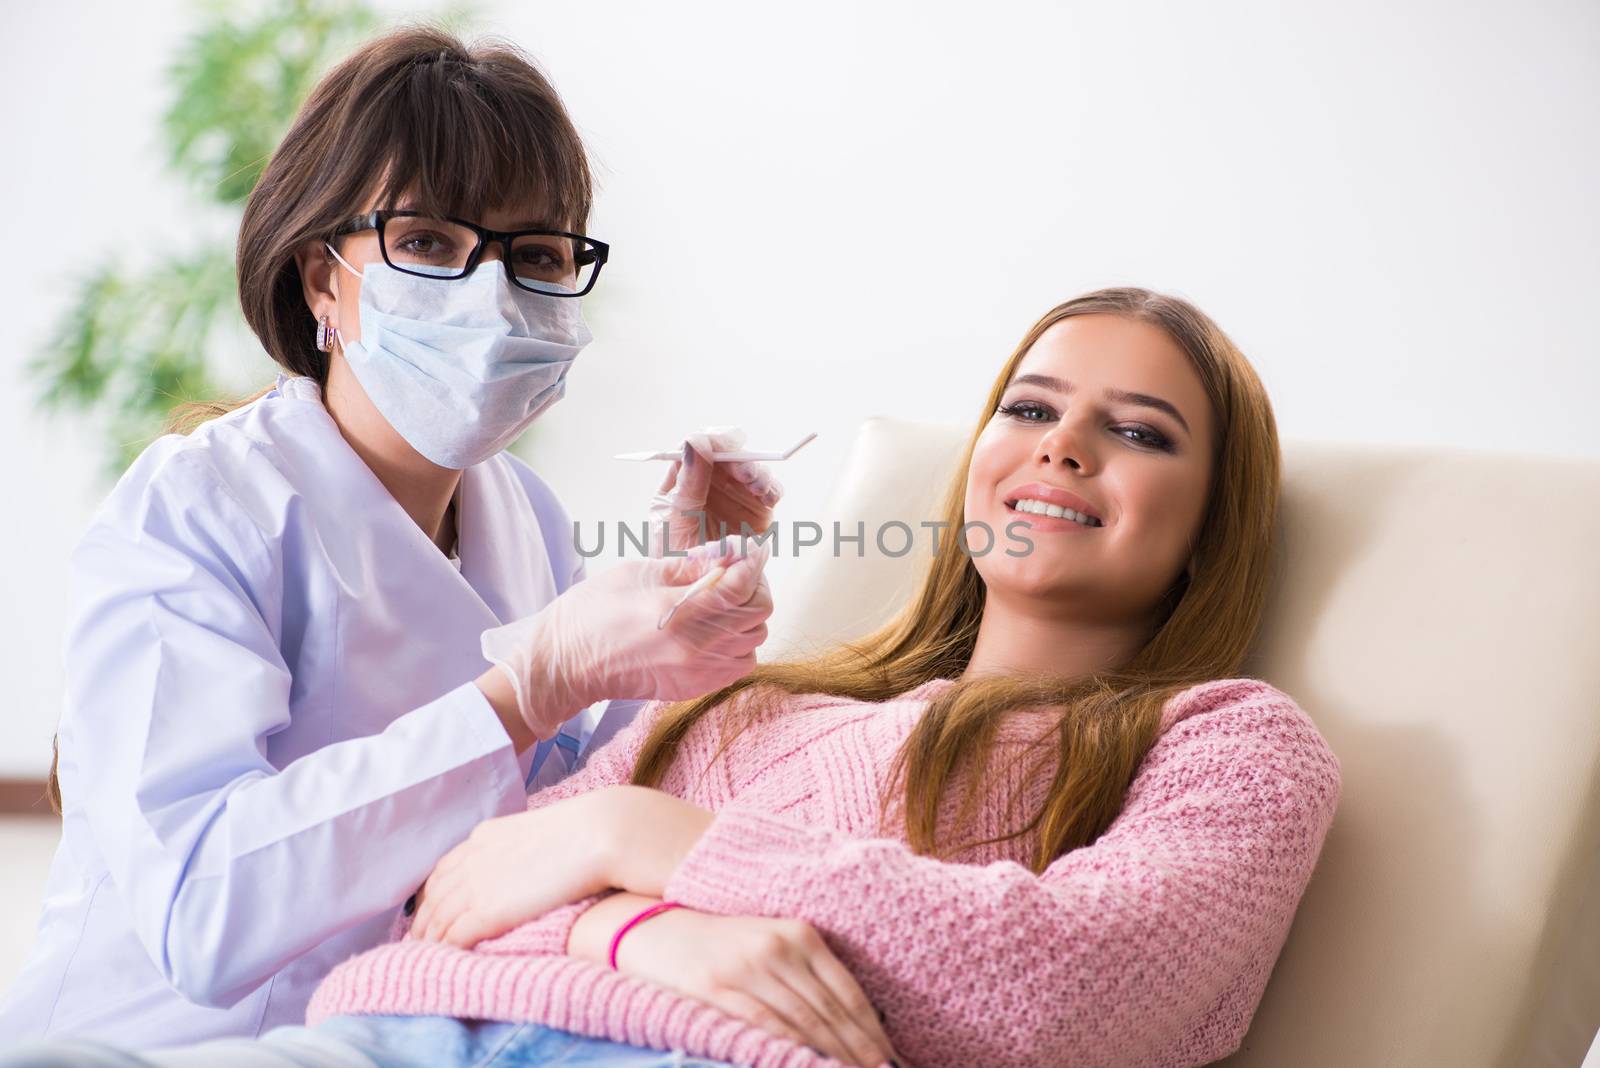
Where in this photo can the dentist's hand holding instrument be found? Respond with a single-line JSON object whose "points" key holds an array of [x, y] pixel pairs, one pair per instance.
{"points": [[639, 629], [668, 627], [714, 487]]}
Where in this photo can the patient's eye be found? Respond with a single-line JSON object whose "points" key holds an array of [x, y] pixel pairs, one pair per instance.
{"points": [[1155, 439], [1027, 412]]}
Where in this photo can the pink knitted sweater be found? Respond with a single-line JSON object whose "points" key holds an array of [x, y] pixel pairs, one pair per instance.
{"points": [[1151, 946]]}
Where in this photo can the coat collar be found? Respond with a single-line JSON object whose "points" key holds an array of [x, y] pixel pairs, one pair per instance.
{"points": [[505, 569], [500, 542]]}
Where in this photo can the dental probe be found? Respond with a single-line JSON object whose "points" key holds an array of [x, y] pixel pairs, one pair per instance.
{"points": [[720, 457], [704, 582]]}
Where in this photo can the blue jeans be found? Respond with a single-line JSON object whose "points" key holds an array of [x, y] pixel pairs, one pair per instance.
{"points": [[429, 1041], [373, 1042]]}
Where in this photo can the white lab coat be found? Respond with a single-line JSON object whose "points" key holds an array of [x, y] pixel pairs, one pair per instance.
{"points": [[271, 731]]}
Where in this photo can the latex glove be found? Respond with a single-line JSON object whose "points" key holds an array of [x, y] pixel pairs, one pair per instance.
{"points": [[601, 639], [700, 500]]}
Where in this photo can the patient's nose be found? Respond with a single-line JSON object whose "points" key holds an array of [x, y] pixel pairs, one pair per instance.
{"points": [[1062, 445]]}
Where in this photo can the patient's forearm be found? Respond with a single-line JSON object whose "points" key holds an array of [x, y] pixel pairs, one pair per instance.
{"points": [[591, 936], [775, 974], [648, 833]]}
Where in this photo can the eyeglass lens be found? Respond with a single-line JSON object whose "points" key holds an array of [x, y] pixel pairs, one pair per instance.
{"points": [[440, 248]]}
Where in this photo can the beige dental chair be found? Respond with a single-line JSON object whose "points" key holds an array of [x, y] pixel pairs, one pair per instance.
{"points": [[1437, 613]]}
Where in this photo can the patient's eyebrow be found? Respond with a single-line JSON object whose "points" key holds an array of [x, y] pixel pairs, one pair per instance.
{"points": [[1143, 400]]}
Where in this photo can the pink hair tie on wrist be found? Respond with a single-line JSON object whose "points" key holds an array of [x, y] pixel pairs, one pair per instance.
{"points": [[616, 939]]}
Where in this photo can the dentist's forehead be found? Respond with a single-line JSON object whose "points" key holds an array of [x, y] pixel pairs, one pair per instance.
{"points": [[524, 215], [528, 211]]}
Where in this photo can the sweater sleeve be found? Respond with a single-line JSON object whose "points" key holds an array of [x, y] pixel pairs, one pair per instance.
{"points": [[610, 765], [1117, 952]]}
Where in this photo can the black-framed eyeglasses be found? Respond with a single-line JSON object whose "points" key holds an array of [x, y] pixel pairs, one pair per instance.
{"points": [[553, 262]]}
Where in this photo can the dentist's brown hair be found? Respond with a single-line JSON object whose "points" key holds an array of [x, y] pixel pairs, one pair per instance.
{"points": [[458, 129], [1104, 723]]}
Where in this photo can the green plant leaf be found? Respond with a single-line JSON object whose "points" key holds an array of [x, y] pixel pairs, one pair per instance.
{"points": [[237, 85], [135, 343]]}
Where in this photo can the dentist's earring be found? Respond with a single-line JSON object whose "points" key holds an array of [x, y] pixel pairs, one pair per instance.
{"points": [[326, 335]]}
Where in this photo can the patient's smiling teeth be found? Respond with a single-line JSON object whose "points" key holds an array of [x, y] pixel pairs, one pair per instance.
{"points": [[1033, 507]]}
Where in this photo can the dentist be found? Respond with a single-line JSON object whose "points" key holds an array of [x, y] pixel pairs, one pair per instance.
{"points": [[323, 635]]}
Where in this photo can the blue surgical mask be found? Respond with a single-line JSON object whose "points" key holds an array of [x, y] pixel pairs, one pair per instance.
{"points": [[461, 366]]}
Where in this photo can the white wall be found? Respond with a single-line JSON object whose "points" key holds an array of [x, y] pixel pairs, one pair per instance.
{"points": [[828, 212], [82, 94]]}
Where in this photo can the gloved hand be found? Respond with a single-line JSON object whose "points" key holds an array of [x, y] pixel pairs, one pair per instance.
{"points": [[699, 498], [601, 638]]}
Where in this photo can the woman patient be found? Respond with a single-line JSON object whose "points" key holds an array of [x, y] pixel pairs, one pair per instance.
{"points": [[1032, 821]]}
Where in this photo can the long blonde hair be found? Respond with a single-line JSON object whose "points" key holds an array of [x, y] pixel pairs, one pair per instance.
{"points": [[1106, 722]]}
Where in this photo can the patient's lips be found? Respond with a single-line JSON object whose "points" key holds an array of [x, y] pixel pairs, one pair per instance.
{"points": [[1052, 508]]}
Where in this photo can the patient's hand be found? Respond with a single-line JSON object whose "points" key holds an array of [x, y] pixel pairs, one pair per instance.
{"points": [[776, 974], [516, 868], [513, 869]]}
